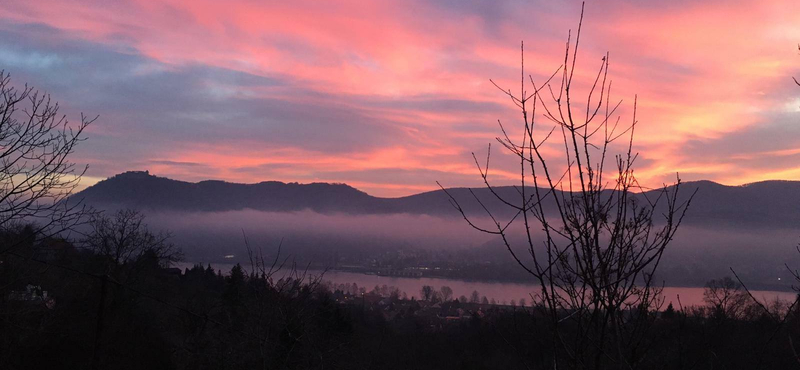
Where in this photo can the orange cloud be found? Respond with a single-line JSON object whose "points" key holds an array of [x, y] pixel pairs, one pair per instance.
{"points": [[417, 73]]}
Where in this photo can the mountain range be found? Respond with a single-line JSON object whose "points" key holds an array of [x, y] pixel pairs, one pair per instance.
{"points": [[761, 204]]}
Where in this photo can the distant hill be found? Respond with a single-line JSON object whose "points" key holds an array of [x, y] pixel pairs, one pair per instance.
{"points": [[140, 189], [762, 204]]}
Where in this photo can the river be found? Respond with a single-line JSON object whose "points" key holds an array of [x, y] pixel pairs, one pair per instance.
{"points": [[499, 291]]}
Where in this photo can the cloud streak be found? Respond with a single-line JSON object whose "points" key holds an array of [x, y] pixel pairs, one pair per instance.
{"points": [[388, 96]]}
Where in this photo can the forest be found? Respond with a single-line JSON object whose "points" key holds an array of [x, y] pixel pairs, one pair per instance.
{"points": [[67, 305]]}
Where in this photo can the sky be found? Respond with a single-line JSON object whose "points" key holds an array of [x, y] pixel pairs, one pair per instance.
{"points": [[392, 96]]}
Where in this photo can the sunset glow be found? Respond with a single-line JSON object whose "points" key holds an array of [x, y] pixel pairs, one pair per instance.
{"points": [[392, 96]]}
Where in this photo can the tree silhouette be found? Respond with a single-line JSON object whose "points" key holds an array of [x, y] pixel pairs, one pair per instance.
{"points": [[474, 297], [593, 240], [427, 292], [123, 239], [795, 78], [36, 176], [446, 293], [726, 297]]}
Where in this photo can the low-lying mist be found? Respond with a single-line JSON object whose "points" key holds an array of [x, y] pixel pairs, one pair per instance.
{"points": [[212, 234], [697, 254]]}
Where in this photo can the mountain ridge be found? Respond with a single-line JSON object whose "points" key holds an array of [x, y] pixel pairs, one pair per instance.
{"points": [[763, 203]]}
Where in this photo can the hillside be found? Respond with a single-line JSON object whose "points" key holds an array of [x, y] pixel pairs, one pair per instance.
{"points": [[762, 204]]}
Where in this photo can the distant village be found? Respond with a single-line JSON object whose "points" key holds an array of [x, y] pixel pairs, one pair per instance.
{"points": [[436, 308]]}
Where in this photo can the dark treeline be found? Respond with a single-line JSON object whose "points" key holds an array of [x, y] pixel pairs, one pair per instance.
{"points": [[111, 301]]}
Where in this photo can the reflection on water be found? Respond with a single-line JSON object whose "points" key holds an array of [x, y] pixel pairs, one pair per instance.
{"points": [[499, 291]]}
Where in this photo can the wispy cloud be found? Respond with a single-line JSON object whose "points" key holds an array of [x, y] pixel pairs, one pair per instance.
{"points": [[389, 96]]}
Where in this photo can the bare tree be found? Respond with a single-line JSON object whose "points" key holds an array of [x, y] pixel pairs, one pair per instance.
{"points": [[726, 297], [127, 247], [475, 297], [36, 176], [427, 292], [446, 293], [592, 240], [124, 238], [795, 78]]}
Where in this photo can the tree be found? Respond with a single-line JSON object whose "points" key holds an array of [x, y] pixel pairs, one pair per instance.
{"points": [[126, 248], [726, 298], [124, 238], [474, 297], [36, 176], [591, 240], [446, 293], [233, 284], [669, 312], [36, 179], [427, 292], [795, 78]]}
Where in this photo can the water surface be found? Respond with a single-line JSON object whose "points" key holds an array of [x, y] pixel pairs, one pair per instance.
{"points": [[499, 291]]}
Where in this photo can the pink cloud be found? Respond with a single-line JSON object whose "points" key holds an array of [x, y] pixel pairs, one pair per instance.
{"points": [[703, 71]]}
